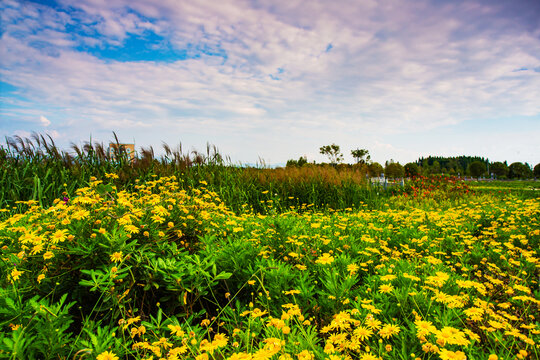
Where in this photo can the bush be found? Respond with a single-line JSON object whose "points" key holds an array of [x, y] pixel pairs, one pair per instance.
{"points": [[536, 171], [375, 169], [411, 170], [519, 170], [477, 169], [394, 170], [499, 169]]}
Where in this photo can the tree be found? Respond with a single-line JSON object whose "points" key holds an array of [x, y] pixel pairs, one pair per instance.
{"points": [[375, 169], [435, 168], [499, 169], [519, 170], [333, 152], [411, 170], [393, 170], [359, 154], [299, 163], [536, 171], [477, 168]]}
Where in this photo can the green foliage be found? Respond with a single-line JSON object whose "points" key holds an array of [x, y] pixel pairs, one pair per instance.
{"points": [[536, 171], [165, 269], [300, 162], [519, 170], [361, 156], [455, 165], [477, 168], [394, 170], [375, 169], [411, 170], [499, 169], [436, 187], [333, 152], [43, 326]]}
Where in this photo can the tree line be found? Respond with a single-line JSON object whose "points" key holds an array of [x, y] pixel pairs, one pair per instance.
{"points": [[473, 166]]}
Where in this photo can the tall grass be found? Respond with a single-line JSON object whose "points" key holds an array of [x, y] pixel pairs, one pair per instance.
{"points": [[36, 169]]}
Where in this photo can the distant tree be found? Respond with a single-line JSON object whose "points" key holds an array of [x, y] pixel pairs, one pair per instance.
{"points": [[333, 152], [424, 168], [477, 168], [519, 170], [375, 169], [411, 170], [435, 167], [536, 171], [300, 162], [499, 169], [359, 155], [393, 170], [451, 166]]}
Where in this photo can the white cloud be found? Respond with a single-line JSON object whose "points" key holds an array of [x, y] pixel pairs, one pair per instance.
{"points": [[44, 121], [391, 69]]}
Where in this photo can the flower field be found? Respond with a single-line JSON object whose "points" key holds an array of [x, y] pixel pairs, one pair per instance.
{"points": [[164, 272]]}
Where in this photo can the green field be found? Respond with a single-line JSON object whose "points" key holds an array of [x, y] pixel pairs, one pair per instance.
{"points": [[221, 262]]}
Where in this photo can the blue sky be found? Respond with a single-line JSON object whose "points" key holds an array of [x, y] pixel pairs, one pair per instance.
{"points": [[277, 80]]}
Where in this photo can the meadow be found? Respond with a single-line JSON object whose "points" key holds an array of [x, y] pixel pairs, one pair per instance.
{"points": [[220, 262]]}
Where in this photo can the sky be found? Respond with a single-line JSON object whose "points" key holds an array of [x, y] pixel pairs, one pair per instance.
{"points": [[268, 81]]}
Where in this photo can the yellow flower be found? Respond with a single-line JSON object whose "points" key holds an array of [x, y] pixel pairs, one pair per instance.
{"points": [[203, 356], [372, 323], [451, 355], [116, 257], [493, 357], [352, 268], [389, 330], [240, 356], [258, 313], [452, 336], [132, 229], [107, 356], [36, 249], [384, 288], [474, 313], [305, 355], [362, 333], [292, 292], [424, 328], [59, 236], [15, 274], [48, 255], [220, 340], [40, 277], [388, 277], [368, 356], [326, 258], [176, 330]]}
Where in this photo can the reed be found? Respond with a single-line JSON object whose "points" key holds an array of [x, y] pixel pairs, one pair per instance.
{"points": [[35, 168]]}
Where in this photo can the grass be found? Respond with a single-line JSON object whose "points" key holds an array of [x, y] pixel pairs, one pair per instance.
{"points": [[435, 272], [35, 169], [187, 257]]}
